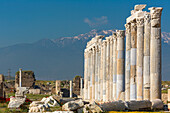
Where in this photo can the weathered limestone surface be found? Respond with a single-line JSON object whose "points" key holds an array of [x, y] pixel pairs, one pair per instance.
{"points": [[2, 93], [139, 105], [120, 65], [107, 68], [127, 69], [157, 104], [27, 79], [113, 106], [155, 53], [169, 99], [71, 89], [146, 61], [133, 61], [114, 65], [140, 43]]}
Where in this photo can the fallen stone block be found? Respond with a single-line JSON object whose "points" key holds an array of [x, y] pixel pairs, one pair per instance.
{"points": [[92, 108], [157, 104], [73, 105], [113, 106], [15, 102], [139, 105]]}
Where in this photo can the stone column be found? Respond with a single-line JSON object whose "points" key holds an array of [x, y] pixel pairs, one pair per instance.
{"points": [[98, 69], [155, 53], [146, 61], [85, 75], [114, 65], [140, 44], [71, 89], [127, 70], [104, 69], [89, 74], [111, 69], [81, 87], [101, 73], [96, 73], [107, 68], [93, 72], [133, 61], [169, 99], [20, 77], [58, 87], [120, 65]]}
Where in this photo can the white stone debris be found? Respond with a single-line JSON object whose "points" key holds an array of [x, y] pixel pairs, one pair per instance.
{"points": [[43, 105]]}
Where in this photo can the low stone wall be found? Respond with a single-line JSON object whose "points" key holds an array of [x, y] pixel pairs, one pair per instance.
{"points": [[34, 91]]}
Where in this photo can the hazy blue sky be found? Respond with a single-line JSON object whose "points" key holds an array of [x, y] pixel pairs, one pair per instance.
{"points": [[31, 20]]}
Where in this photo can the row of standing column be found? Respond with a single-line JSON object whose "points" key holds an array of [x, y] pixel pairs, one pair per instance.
{"points": [[143, 57], [104, 69]]}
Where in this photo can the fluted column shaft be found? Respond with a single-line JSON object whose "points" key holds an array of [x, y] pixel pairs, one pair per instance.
{"points": [[155, 53], [101, 73], [107, 68], [120, 65], [93, 73], [85, 75], [133, 61], [111, 69], [146, 61], [104, 69], [96, 74], [71, 89], [140, 44], [114, 65], [127, 70]]}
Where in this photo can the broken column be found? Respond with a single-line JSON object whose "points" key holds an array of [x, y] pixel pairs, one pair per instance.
{"points": [[155, 53], [139, 70], [2, 93], [146, 60], [120, 64], [58, 87], [127, 70], [20, 77], [133, 61], [169, 99], [71, 89], [114, 65]]}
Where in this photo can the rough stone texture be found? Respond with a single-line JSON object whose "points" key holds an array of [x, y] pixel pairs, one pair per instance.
{"points": [[77, 85], [169, 99], [155, 53], [157, 104], [139, 105], [73, 105], [28, 79], [16, 102], [113, 106], [92, 108], [2, 93], [34, 91]]}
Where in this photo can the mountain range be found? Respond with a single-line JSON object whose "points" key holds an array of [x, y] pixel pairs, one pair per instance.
{"points": [[61, 58]]}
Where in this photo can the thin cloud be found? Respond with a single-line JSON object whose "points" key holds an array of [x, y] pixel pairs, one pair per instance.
{"points": [[95, 22]]}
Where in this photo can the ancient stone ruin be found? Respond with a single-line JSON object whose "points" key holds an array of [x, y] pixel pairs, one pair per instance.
{"points": [[27, 79], [2, 92], [109, 77]]}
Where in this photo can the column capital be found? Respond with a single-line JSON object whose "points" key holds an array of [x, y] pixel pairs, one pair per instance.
{"points": [[114, 35], [147, 19], [140, 21], [133, 26], [127, 26], [120, 33], [155, 13]]}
